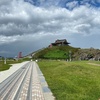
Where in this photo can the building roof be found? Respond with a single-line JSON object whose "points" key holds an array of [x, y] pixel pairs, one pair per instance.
{"points": [[62, 41]]}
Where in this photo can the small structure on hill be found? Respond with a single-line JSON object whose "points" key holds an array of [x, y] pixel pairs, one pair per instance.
{"points": [[58, 42]]}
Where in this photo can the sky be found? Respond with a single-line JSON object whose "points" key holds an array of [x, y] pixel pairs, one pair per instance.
{"points": [[29, 25]]}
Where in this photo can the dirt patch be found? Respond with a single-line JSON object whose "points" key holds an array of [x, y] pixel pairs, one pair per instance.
{"points": [[94, 64]]}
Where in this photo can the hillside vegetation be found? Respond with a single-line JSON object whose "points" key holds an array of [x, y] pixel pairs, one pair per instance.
{"points": [[87, 54], [67, 52], [56, 52]]}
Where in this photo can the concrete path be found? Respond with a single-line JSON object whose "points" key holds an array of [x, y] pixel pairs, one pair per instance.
{"points": [[26, 83], [5, 74]]}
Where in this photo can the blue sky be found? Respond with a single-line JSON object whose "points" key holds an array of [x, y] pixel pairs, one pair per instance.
{"points": [[64, 3], [29, 25]]}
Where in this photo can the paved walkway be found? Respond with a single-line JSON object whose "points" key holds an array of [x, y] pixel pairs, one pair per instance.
{"points": [[5, 74], [27, 83]]}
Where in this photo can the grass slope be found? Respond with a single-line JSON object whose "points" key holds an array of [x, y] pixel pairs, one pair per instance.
{"points": [[72, 80], [56, 52]]}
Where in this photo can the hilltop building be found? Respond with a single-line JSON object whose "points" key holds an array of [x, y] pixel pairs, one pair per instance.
{"points": [[58, 42]]}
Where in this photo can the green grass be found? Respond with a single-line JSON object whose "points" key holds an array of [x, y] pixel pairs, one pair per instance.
{"points": [[95, 62], [4, 66], [7, 65], [56, 52], [72, 80], [9, 62]]}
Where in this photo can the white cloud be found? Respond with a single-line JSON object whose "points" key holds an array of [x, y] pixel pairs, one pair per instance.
{"points": [[8, 39], [4, 2], [72, 4], [20, 18], [21, 21]]}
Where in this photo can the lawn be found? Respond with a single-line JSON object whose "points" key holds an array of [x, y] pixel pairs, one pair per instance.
{"points": [[4, 66], [9, 62], [7, 65], [72, 80]]}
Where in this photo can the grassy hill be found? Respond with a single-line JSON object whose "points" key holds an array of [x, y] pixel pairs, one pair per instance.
{"points": [[56, 52], [65, 52]]}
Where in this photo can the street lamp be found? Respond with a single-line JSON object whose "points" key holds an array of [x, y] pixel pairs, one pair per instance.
{"points": [[70, 53]]}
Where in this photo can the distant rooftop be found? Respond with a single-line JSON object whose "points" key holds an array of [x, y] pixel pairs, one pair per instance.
{"points": [[62, 42]]}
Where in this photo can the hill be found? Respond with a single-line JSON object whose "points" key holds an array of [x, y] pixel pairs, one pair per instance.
{"points": [[56, 52], [87, 54], [61, 49], [67, 52]]}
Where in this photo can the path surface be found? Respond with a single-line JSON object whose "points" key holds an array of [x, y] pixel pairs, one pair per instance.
{"points": [[5, 74], [27, 83], [94, 64]]}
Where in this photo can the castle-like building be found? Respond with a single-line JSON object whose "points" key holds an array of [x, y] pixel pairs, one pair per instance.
{"points": [[58, 42]]}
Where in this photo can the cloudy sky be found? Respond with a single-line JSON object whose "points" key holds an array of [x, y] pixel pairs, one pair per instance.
{"points": [[29, 25]]}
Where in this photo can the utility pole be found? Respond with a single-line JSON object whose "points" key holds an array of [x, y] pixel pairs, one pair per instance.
{"points": [[70, 54], [5, 61]]}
